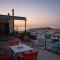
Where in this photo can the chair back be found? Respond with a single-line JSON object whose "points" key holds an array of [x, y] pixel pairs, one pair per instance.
{"points": [[4, 55], [30, 56], [12, 43]]}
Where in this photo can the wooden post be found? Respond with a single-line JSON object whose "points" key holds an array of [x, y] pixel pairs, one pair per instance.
{"points": [[13, 18], [45, 42], [8, 22], [58, 43], [25, 25]]}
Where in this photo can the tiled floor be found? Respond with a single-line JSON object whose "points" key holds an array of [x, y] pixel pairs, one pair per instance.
{"points": [[44, 54]]}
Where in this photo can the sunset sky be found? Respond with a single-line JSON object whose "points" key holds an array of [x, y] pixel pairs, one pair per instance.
{"points": [[39, 13]]}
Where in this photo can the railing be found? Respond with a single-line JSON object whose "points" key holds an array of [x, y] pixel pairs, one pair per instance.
{"points": [[52, 44]]}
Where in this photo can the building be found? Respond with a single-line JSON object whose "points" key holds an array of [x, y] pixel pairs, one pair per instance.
{"points": [[7, 23]]}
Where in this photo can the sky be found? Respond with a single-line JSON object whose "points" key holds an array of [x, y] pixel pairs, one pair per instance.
{"points": [[39, 13]]}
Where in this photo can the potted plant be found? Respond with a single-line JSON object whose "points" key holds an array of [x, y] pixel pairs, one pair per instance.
{"points": [[25, 35]]}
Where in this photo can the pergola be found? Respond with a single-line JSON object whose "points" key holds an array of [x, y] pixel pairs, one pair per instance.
{"points": [[8, 17]]}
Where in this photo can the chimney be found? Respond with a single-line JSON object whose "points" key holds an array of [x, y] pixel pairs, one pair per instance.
{"points": [[12, 12], [8, 14]]}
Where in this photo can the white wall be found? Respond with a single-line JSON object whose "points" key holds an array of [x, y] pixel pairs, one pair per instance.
{"points": [[10, 26]]}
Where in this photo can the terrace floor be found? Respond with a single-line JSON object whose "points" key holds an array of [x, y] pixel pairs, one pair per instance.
{"points": [[42, 53]]}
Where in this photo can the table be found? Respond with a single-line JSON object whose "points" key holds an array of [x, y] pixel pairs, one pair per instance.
{"points": [[19, 49]]}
